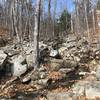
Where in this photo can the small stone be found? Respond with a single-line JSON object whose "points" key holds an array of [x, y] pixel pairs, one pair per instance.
{"points": [[26, 79], [53, 53], [42, 75]]}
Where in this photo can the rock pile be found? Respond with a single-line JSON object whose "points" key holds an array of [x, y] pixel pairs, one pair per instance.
{"points": [[59, 67]]}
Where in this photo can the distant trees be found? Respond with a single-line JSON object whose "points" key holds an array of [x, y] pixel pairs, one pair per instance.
{"points": [[64, 22], [98, 5], [84, 19]]}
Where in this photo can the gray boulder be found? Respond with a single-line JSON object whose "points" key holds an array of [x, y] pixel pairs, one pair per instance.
{"points": [[18, 67], [56, 64], [3, 59], [98, 72], [92, 90]]}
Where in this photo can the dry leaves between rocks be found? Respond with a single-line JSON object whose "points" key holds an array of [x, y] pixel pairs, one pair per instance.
{"points": [[54, 75], [25, 88]]}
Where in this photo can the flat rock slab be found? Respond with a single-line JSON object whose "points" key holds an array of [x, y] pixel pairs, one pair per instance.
{"points": [[92, 90], [58, 96]]}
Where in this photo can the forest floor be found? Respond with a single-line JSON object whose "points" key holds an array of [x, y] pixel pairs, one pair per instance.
{"points": [[69, 72]]}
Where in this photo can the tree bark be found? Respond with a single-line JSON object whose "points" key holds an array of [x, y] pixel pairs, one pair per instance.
{"points": [[86, 18], [36, 35]]}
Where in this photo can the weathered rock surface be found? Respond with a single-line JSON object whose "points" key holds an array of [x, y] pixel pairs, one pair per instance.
{"points": [[18, 67], [53, 53], [3, 59], [98, 72], [56, 64], [58, 96], [92, 90]]}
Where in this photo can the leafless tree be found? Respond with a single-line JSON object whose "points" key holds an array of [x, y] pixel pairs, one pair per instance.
{"points": [[36, 34]]}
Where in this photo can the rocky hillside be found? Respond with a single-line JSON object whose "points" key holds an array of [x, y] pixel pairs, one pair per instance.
{"points": [[69, 72]]}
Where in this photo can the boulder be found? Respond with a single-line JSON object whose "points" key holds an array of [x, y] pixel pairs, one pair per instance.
{"points": [[19, 66], [42, 82], [92, 90], [35, 76], [29, 59], [71, 38], [78, 89], [42, 45], [62, 50], [3, 57], [70, 45], [98, 72], [56, 64], [42, 75], [70, 64]]}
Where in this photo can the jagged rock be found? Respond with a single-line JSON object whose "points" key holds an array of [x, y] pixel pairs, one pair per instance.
{"points": [[64, 70], [18, 67], [26, 79], [62, 51], [56, 64], [98, 72], [42, 45], [42, 75], [3, 57], [35, 76], [42, 69], [70, 45], [70, 64], [42, 82], [29, 59]]}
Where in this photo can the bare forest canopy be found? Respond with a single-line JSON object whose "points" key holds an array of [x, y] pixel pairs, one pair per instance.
{"points": [[55, 18]]}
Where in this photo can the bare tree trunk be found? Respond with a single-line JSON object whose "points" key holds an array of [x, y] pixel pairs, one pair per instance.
{"points": [[20, 22], [72, 30], [77, 26], [36, 34], [86, 18], [49, 20], [93, 14], [55, 5]]}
